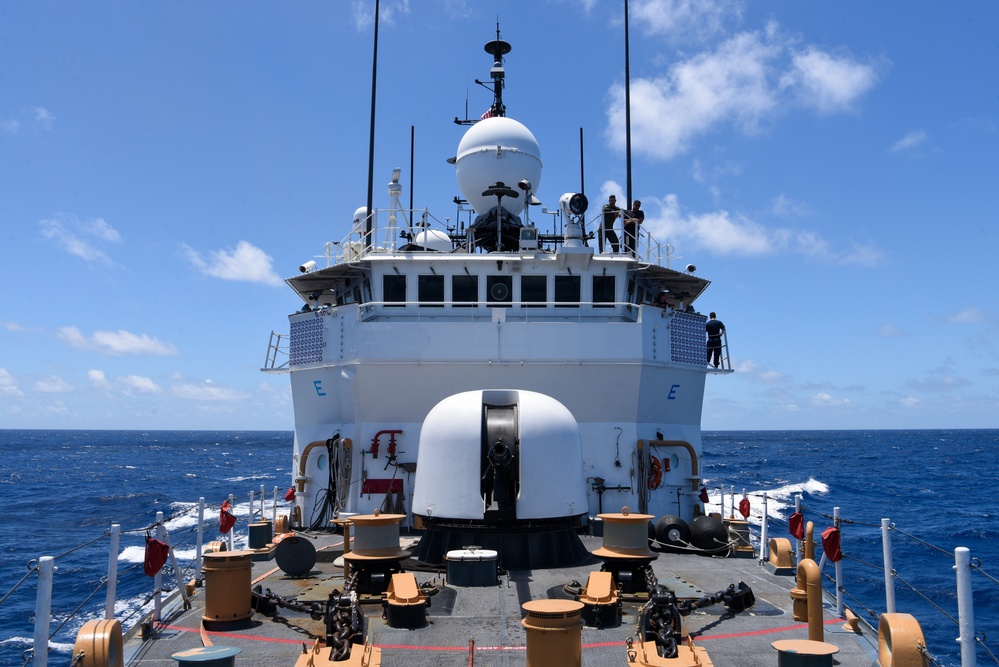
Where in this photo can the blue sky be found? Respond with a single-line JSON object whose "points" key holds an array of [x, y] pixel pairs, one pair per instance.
{"points": [[833, 168]]}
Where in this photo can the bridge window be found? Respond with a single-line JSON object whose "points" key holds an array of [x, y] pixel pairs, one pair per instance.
{"points": [[431, 290], [534, 291], [394, 290], [567, 291], [603, 290], [465, 290], [499, 290]]}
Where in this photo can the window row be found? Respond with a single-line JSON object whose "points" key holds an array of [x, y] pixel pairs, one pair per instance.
{"points": [[499, 290]]}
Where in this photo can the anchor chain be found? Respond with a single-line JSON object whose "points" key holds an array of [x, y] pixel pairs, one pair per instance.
{"points": [[344, 620], [341, 612], [659, 619]]}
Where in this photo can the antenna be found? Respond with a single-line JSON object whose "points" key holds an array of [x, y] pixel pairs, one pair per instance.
{"points": [[497, 49], [627, 103], [371, 139]]}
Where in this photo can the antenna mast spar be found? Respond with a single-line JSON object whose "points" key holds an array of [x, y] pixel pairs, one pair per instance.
{"points": [[497, 49]]}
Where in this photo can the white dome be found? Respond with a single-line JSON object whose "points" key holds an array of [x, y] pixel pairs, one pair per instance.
{"points": [[550, 463], [433, 239], [497, 150]]}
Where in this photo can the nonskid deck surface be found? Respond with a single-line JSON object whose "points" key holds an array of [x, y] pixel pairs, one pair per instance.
{"points": [[490, 618]]}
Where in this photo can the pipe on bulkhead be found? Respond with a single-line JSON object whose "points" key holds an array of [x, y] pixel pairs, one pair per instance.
{"points": [[694, 464]]}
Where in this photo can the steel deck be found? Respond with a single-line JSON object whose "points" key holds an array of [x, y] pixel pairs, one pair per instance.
{"points": [[482, 625]]}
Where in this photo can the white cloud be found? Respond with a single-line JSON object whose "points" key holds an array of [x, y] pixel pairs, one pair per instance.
{"points": [[785, 207], [80, 237], [38, 117], [726, 233], [43, 117], [754, 372], [97, 378], [891, 331], [683, 20], [364, 17], [138, 384], [245, 262], [52, 384], [729, 85], [828, 83], [745, 81], [911, 140], [718, 231], [861, 254], [967, 316], [909, 402], [822, 399], [8, 384], [116, 342], [941, 378], [207, 391]]}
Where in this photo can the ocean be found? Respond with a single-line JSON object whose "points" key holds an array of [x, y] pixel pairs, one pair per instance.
{"points": [[64, 489]]}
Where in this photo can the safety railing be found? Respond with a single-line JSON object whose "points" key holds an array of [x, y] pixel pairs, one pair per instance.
{"points": [[391, 236], [146, 602], [888, 571], [277, 358]]}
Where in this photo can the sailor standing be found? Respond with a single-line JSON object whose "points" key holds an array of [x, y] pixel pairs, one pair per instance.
{"points": [[715, 328]]}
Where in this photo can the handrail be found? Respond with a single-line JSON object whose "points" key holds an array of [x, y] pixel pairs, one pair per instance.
{"points": [[274, 348], [355, 246], [46, 584], [961, 561]]}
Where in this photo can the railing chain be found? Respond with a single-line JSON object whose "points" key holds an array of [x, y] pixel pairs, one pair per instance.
{"points": [[103, 582], [923, 542]]}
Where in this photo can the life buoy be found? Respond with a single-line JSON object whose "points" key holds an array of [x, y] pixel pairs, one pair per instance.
{"points": [[655, 473]]}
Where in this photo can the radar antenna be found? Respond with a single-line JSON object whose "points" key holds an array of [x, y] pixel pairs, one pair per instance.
{"points": [[497, 49]]}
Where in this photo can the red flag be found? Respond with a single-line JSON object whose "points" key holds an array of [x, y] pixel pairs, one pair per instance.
{"points": [[830, 544], [156, 556], [796, 525], [704, 494], [290, 494], [487, 114], [744, 508], [226, 518]]}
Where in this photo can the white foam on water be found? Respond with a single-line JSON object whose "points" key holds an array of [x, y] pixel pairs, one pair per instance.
{"points": [[780, 500]]}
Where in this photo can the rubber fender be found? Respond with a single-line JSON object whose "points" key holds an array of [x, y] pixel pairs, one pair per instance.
{"points": [[708, 533], [899, 639], [100, 643], [671, 530]]}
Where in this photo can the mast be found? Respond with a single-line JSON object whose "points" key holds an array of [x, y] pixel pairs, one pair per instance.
{"points": [[497, 49], [371, 138], [627, 104]]}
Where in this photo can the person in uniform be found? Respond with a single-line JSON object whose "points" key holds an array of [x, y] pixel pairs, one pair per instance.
{"points": [[715, 329]]}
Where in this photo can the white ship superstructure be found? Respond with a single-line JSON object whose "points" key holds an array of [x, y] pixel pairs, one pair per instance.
{"points": [[545, 326]]}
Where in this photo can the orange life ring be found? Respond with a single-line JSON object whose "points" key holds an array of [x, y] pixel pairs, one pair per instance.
{"points": [[655, 473]]}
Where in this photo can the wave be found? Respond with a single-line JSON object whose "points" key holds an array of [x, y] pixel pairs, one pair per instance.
{"points": [[247, 478], [779, 500], [28, 642]]}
